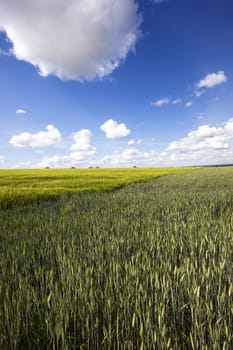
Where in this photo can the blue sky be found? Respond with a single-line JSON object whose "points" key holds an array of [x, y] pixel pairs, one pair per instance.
{"points": [[106, 83]]}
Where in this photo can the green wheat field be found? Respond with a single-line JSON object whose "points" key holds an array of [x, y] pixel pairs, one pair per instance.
{"points": [[117, 259]]}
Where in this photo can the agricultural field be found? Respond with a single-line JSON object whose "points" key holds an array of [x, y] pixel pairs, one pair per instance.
{"points": [[18, 187], [146, 266]]}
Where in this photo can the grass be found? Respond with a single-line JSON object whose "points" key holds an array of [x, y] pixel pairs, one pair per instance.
{"points": [[148, 266], [18, 187]]}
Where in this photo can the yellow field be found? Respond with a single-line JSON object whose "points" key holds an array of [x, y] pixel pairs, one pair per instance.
{"points": [[21, 186]]}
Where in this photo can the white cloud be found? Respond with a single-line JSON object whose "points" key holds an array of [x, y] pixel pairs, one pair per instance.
{"points": [[77, 40], [130, 156], [20, 111], [52, 161], [198, 93], [176, 101], [81, 153], [135, 142], [39, 140], [188, 104], [72, 159], [212, 80], [114, 130], [201, 157], [82, 143], [161, 102], [165, 101], [204, 138]]}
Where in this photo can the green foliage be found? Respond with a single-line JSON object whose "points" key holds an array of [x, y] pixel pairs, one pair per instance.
{"points": [[148, 266], [18, 187]]}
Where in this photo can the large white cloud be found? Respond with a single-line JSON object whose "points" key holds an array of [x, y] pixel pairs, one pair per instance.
{"points": [[212, 80], [82, 152], [114, 130], [72, 39], [82, 140], [201, 157], [205, 137], [42, 139]]}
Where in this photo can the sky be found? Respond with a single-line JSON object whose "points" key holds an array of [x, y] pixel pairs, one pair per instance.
{"points": [[116, 83]]}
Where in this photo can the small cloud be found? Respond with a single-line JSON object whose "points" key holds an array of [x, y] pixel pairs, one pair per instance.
{"points": [[198, 93], [41, 139], [40, 151], [20, 111], [176, 101], [212, 80], [135, 142], [188, 104], [161, 102], [114, 130]]}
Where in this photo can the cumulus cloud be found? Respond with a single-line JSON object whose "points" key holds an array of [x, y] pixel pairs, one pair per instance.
{"points": [[114, 130], [161, 102], [201, 157], [135, 142], [212, 80], [77, 40], [20, 111], [58, 161], [82, 143], [205, 137], [82, 152], [130, 156], [39, 140]]}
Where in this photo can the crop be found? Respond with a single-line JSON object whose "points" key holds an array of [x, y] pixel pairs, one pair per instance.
{"points": [[148, 266], [18, 187]]}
